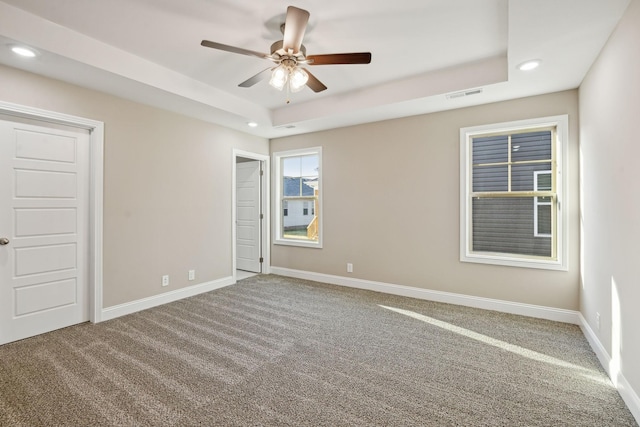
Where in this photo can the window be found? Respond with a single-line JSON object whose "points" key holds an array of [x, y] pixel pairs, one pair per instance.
{"points": [[298, 193], [512, 187]]}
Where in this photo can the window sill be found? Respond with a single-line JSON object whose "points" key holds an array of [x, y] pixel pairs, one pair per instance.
{"points": [[543, 264], [300, 243]]}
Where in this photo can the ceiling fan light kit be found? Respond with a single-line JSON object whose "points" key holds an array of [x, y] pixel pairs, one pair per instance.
{"points": [[289, 53], [298, 79], [279, 77], [289, 73]]}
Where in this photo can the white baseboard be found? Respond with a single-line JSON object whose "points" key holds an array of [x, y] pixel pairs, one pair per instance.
{"points": [[628, 394], [549, 313], [596, 345], [167, 297]]}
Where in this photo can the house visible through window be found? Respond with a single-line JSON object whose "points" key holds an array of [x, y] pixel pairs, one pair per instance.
{"points": [[298, 193], [542, 205], [511, 193]]}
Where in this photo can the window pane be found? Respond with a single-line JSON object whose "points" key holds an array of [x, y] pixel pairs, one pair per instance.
{"points": [[300, 175], [490, 178], [309, 166], [309, 184], [298, 166], [522, 176], [531, 146], [505, 225], [544, 219], [292, 166], [490, 149], [544, 181], [299, 224], [298, 186]]}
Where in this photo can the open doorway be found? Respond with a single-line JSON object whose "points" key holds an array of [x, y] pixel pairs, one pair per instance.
{"points": [[250, 225]]}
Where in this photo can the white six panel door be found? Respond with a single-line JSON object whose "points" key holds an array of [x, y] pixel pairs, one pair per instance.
{"points": [[43, 215], [248, 216]]}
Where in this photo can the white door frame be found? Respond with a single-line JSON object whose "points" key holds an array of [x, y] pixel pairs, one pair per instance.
{"points": [[96, 178], [265, 229]]}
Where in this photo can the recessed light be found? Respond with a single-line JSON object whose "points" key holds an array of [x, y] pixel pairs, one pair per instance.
{"points": [[24, 51], [252, 124], [529, 65]]}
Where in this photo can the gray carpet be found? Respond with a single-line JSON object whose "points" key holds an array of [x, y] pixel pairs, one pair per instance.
{"points": [[272, 351]]}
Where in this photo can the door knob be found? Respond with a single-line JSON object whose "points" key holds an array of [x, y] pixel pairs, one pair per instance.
{"points": [[4, 241]]}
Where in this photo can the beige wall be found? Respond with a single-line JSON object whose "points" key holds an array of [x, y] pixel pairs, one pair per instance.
{"points": [[610, 149], [391, 205], [167, 186]]}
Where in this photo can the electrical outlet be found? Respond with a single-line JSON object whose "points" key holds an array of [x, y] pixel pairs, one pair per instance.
{"points": [[598, 320], [349, 267], [192, 274], [165, 280]]}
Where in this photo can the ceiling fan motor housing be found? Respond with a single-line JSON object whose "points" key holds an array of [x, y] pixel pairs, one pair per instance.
{"points": [[277, 51]]}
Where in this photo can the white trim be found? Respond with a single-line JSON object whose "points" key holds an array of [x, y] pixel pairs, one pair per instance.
{"points": [[596, 345], [165, 298], [561, 123], [96, 177], [265, 203], [279, 240], [548, 313], [628, 394]]}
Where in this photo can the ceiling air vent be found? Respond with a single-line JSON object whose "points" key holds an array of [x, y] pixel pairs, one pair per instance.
{"points": [[464, 93]]}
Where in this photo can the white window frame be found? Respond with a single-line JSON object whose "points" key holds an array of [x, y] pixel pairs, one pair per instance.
{"points": [[277, 179], [561, 124], [537, 202]]}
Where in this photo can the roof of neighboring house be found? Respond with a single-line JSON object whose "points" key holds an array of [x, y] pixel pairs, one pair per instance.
{"points": [[292, 186]]}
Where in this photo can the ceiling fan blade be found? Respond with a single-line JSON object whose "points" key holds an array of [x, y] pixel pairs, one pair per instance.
{"points": [[340, 58], [257, 78], [294, 27], [233, 49], [314, 84]]}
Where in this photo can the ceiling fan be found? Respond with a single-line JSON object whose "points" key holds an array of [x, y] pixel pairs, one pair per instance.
{"points": [[289, 54]]}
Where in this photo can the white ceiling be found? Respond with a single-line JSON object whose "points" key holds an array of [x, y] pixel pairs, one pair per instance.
{"points": [[149, 51]]}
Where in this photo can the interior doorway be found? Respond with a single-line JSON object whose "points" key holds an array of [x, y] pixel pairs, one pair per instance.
{"points": [[250, 226]]}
